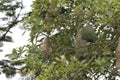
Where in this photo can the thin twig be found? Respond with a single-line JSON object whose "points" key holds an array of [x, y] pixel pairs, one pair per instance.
{"points": [[92, 59], [12, 24]]}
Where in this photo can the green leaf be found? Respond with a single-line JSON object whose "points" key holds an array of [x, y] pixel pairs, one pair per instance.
{"points": [[18, 62], [107, 51]]}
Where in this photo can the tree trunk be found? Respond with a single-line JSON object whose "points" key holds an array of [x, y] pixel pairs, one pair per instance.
{"points": [[117, 55]]}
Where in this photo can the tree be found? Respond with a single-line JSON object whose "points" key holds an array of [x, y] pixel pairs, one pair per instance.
{"points": [[65, 52]]}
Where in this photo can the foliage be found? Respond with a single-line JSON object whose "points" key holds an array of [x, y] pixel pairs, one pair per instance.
{"points": [[59, 20]]}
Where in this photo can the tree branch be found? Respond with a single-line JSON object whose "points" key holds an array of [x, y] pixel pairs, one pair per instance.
{"points": [[13, 23]]}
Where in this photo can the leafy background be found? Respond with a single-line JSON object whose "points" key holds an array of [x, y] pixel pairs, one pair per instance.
{"points": [[60, 56]]}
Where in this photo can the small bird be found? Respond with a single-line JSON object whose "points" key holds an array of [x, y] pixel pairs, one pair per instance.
{"points": [[84, 35], [46, 47]]}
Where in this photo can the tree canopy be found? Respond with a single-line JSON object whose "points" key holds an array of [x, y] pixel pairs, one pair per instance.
{"points": [[69, 40]]}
